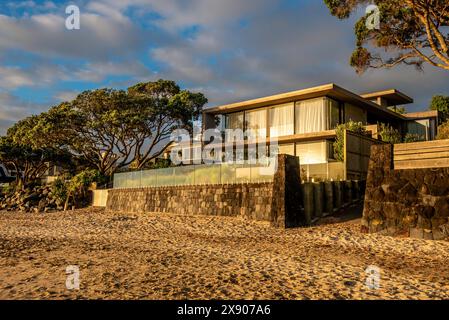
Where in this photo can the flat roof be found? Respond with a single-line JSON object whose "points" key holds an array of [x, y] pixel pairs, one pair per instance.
{"points": [[392, 95], [422, 115], [330, 90]]}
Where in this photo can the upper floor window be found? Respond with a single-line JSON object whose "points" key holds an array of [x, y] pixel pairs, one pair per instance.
{"points": [[356, 114], [282, 120], [312, 116], [256, 123], [234, 121]]}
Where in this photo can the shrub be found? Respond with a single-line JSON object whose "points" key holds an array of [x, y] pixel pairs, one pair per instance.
{"points": [[356, 127], [413, 137], [389, 134], [443, 131], [59, 190]]}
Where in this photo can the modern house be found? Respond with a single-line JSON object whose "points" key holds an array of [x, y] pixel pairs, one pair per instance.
{"points": [[304, 122]]}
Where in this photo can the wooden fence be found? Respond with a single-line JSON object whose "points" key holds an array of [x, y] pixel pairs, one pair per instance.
{"points": [[357, 154], [429, 154]]}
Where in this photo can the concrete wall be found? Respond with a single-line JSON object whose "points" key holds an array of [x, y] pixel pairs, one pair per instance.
{"points": [[412, 202], [100, 198], [278, 202]]}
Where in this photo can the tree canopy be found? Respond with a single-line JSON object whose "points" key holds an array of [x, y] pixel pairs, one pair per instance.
{"points": [[20, 151], [111, 129], [441, 104], [412, 32]]}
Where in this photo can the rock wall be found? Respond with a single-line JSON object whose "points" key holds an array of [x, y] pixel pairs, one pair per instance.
{"points": [[278, 201], [249, 200], [405, 202]]}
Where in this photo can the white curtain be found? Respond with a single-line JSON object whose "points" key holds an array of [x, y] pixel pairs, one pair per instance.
{"points": [[281, 120], [256, 123], [234, 121], [312, 116]]}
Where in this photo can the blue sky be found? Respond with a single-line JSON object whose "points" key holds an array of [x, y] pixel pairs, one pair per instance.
{"points": [[229, 50]]}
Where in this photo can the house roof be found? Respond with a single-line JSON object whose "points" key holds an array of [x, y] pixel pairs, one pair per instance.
{"points": [[421, 115], [393, 97], [330, 90]]}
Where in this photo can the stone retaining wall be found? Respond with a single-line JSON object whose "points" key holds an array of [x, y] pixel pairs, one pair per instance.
{"points": [[278, 202], [411, 202], [249, 200]]}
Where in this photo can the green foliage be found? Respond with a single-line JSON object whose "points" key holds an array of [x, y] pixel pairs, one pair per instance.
{"points": [[112, 129], [441, 104], [410, 33], [59, 189], [160, 164], [66, 188], [443, 131], [389, 134], [82, 181], [28, 151], [413, 137], [356, 127]]}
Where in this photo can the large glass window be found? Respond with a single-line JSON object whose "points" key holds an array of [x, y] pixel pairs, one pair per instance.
{"points": [[334, 107], [353, 113], [234, 121], [312, 116], [256, 123], [419, 128], [312, 152], [281, 120], [287, 149]]}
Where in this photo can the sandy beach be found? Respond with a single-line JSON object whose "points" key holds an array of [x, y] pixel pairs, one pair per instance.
{"points": [[164, 256]]}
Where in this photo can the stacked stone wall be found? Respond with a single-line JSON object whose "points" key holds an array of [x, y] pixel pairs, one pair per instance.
{"points": [[413, 202]]}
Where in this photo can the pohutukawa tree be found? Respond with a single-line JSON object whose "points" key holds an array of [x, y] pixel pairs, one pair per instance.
{"points": [[412, 32], [19, 150], [163, 107], [112, 129]]}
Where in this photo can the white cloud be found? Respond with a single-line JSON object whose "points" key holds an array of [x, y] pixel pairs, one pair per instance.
{"points": [[237, 50], [13, 109]]}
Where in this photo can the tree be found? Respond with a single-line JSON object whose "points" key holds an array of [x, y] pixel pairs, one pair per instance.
{"points": [[441, 104], [164, 107], [29, 163], [412, 32], [112, 129], [443, 131]]}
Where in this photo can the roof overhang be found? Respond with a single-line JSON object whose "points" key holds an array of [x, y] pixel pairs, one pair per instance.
{"points": [[329, 90], [393, 96], [421, 115]]}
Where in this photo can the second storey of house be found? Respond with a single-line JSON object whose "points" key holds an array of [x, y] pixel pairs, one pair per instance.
{"points": [[304, 121]]}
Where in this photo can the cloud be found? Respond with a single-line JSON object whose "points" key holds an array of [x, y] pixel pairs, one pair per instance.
{"points": [[230, 50], [13, 109], [45, 35]]}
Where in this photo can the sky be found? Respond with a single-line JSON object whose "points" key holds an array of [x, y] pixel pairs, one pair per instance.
{"points": [[230, 50]]}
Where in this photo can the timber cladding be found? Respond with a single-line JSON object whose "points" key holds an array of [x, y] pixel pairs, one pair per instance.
{"points": [[357, 151], [430, 154]]}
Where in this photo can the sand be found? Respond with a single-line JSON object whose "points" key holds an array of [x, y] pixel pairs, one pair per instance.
{"points": [[164, 256]]}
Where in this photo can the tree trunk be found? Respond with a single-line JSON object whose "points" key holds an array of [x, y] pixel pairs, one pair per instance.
{"points": [[66, 204]]}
